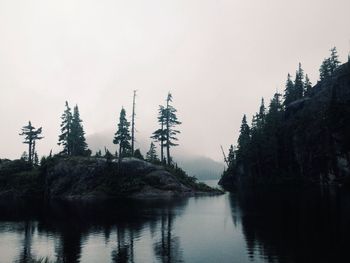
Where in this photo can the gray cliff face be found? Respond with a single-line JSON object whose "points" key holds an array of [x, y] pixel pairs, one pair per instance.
{"points": [[325, 113]]}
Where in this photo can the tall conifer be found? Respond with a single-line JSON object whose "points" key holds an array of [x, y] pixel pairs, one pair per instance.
{"points": [[31, 135], [122, 136]]}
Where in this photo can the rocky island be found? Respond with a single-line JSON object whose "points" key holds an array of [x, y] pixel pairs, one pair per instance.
{"points": [[96, 178]]}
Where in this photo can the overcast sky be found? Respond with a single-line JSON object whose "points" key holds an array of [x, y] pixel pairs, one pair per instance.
{"points": [[217, 57]]}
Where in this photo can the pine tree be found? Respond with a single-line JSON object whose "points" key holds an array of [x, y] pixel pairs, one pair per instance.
{"points": [[299, 83], [274, 118], [329, 65], [334, 61], [289, 92], [275, 104], [24, 156], [31, 135], [160, 134], [108, 155], [307, 86], [151, 155], [78, 142], [138, 154], [243, 139], [324, 69], [98, 153], [65, 139], [262, 113], [122, 136], [231, 157], [170, 122]]}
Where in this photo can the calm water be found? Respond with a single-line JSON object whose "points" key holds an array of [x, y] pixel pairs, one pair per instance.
{"points": [[309, 225]]}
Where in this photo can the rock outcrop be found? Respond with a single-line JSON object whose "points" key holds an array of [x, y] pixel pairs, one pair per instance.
{"points": [[99, 177]]}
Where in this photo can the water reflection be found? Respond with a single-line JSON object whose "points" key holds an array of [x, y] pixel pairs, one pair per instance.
{"points": [[70, 224], [168, 248], [308, 225]]}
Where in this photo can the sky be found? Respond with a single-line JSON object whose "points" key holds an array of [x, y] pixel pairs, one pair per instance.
{"points": [[217, 58]]}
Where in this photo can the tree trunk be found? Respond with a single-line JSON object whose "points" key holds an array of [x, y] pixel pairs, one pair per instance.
{"points": [[30, 151], [133, 125], [120, 156], [168, 154], [162, 145], [167, 133]]}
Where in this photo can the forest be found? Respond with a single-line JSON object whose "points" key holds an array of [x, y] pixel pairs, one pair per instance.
{"points": [[301, 136]]}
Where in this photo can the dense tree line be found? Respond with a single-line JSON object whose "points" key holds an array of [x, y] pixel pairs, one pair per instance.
{"points": [[301, 135]]}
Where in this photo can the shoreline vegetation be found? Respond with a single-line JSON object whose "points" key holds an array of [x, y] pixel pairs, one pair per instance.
{"points": [[301, 138], [74, 173]]}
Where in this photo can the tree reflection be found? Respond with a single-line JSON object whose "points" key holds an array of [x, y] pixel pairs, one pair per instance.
{"points": [[26, 254], [168, 247], [125, 247], [71, 223], [286, 225]]}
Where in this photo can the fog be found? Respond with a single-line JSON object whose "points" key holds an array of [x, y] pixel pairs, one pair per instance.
{"points": [[218, 58]]}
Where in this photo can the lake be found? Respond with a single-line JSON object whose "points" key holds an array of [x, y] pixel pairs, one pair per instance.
{"points": [[274, 225]]}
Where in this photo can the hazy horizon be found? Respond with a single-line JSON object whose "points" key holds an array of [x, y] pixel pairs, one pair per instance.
{"points": [[218, 58]]}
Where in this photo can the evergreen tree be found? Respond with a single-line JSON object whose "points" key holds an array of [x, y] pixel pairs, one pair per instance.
{"points": [[108, 155], [98, 153], [65, 139], [299, 83], [160, 134], [243, 139], [231, 157], [329, 65], [325, 69], [170, 122], [334, 61], [289, 92], [275, 106], [271, 143], [24, 156], [31, 135], [78, 142], [138, 154], [307, 86], [122, 136], [262, 113], [257, 140], [151, 155]]}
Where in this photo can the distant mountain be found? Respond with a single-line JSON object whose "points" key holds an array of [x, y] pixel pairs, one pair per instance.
{"points": [[98, 141], [204, 168]]}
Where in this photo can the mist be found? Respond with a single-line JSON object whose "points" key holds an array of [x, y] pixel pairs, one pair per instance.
{"points": [[218, 58]]}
